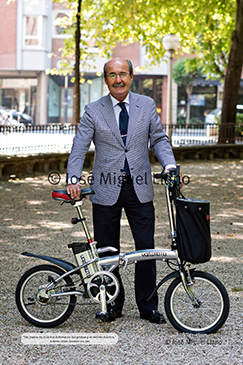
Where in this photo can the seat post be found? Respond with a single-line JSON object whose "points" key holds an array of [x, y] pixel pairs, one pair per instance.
{"points": [[78, 206]]}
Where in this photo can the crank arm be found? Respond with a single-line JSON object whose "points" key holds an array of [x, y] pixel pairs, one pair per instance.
{"points": [[103, 314]]}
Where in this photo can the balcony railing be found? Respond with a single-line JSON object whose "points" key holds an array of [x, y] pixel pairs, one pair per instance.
{"points": [[27, 140]]}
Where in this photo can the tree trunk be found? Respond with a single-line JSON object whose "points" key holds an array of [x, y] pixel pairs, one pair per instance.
{"points": [[189, 89], [232, 81], [76, 69]]}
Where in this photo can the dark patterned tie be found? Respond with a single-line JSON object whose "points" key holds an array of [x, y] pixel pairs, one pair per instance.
{"points": [[123, 123]]}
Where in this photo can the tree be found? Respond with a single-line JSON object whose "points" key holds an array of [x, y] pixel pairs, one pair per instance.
{"points": [[76, 68], [232, 80], [72, 50], [185, 71], [204, 27]]}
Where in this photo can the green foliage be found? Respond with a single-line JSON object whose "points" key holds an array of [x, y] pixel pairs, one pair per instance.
{"points": [[218, 119], [195, 120], [192, 122], [239, 125], [181, 120], [237, 289], [204, 28], [68, 51], [186, 70], [239, 118]]}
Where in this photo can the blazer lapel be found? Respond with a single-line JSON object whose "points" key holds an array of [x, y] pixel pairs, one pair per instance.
{"points": [[107, 111], [134, 115]]}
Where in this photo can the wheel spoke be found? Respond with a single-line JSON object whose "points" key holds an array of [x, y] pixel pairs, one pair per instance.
{"points": [[38, 306], [205, 318]]}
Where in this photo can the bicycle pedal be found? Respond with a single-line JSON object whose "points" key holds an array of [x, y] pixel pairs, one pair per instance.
{"points": [[102, 315]]}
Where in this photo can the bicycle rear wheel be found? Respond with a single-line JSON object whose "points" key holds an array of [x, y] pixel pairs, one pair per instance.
{"points": [[36, 304], [213, 304]]}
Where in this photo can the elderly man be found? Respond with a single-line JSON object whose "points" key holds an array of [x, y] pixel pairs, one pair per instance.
{"points": [[122, 126]]}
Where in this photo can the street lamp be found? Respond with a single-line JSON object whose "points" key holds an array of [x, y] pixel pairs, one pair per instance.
{"points": [[65, 101], [170, 43]]}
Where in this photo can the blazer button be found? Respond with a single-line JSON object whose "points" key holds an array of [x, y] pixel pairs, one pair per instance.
{"points": [[126, 150]]}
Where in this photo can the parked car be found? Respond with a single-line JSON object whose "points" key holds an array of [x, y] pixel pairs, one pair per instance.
{"points": [[15, 118], [212, 117], [23, 118]]}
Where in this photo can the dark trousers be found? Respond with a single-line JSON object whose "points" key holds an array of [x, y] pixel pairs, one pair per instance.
{"points": [[107, 233]]}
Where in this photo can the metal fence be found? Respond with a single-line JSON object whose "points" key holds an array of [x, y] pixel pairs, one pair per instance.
{"points": [[24, 140], [201, 134], [40, 129]]}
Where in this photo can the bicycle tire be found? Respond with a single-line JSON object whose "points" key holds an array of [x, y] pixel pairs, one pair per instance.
{"points": [[209, 316], [38, 309]]}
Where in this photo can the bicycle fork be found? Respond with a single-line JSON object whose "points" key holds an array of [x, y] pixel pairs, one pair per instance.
{"points": [[188, 285]]}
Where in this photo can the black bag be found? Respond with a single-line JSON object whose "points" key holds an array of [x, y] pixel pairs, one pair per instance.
{"points": [[193, 230]]}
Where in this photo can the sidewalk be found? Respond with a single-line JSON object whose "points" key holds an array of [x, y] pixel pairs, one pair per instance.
{"points": [[32, 221]]}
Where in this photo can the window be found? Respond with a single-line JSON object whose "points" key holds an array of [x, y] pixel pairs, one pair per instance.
{"points": [[34, 35], [19, 94], [150, 86], [203, 100], [61, 24], [90, 90]]}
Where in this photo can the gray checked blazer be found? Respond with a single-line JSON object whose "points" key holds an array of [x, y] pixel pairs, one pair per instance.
{"points": [[144, 130]]}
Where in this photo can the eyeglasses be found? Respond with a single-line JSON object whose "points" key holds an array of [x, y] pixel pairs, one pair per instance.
{"points": [[113, 76]]}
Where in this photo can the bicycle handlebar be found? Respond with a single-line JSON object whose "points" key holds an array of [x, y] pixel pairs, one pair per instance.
{"points": [[171, 177], [161, 175]]}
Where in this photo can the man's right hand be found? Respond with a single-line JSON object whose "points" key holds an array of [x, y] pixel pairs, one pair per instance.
{"points": [[73, 190]]}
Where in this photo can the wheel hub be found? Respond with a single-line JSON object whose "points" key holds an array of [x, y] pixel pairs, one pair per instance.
{"points": [[42, 296]]}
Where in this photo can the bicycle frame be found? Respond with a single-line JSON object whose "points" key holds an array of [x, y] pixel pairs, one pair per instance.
{"points": [[109, 263]]}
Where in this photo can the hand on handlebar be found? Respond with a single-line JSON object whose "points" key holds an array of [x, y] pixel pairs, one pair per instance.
{"points": [[73, 190], [167, 174], [181, 180]]}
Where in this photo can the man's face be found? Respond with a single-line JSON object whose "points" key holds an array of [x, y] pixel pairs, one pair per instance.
{"points": [[118, 78]]}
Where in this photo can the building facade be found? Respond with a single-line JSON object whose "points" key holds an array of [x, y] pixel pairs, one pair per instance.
{"points": [[29, 45], [28, 37]]}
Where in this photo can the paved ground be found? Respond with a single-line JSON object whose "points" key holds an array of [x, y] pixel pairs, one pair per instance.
{"points": [[32, 221]]}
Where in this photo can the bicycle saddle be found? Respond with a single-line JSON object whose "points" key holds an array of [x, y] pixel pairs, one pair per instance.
{"points": [[65, 197]]}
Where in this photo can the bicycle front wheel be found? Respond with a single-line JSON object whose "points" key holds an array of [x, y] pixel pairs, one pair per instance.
{"points": [[36, 304], [212, 308]]}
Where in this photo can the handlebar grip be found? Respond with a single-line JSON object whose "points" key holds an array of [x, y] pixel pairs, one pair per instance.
{"points": [[164, 175], [158, 176]]}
